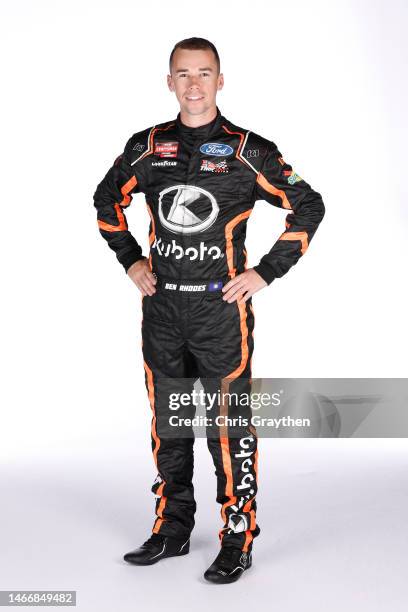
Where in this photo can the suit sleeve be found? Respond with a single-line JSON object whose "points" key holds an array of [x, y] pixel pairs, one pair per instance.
{"points": [[279, 185], [112, 196]]}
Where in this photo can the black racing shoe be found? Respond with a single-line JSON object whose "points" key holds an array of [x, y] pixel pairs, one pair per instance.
{"points": [[157, 547], [229, 565]]}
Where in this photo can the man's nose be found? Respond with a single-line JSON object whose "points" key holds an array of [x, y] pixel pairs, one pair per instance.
{"points": [[193, 81]]}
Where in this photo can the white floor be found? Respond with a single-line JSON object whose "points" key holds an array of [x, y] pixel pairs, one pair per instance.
{"points": [[333, 515]]}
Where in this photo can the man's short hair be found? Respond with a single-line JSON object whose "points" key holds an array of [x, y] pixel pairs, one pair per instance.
{"points": [[193, 44]]}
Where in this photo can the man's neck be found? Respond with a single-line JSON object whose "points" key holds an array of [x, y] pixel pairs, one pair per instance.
{"points": [[198, 120]]}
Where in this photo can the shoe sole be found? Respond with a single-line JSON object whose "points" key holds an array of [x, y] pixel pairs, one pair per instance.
{"points": [[153, 561], [227, 579]]}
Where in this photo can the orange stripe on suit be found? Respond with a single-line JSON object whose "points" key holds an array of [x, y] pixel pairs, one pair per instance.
{"points": [[122, 225]]}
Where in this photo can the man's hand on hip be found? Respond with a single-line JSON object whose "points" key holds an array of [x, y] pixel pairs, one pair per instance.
{"points": [[243, 286], [143, 277]]}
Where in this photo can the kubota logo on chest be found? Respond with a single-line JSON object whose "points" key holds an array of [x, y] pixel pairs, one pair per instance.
{"points": [[187, 209]]}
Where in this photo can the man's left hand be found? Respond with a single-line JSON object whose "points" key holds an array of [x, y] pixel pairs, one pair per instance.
{"points": [[243, 286]]}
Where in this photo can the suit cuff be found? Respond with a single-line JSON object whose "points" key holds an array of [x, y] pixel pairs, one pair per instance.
{"points": [[265, 272], [130, 258]]}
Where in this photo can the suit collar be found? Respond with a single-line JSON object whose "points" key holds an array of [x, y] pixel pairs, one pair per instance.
{"points": [[202, 131]]}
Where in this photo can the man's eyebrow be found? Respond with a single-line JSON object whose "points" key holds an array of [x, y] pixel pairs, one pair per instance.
{"points": [[186, 69]]}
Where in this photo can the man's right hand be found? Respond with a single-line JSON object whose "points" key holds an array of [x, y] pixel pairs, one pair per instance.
{"points": [[143, 277]]}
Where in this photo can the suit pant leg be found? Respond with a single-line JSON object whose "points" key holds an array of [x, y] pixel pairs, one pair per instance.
{"points": [[167, 369], [223, 348]]}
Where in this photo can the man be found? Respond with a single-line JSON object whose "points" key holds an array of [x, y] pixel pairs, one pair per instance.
{"points": [[201, 175]]}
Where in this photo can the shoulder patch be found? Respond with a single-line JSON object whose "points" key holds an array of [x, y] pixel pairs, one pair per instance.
{"points": [[137, 144], [292, 177], [254, 151]]}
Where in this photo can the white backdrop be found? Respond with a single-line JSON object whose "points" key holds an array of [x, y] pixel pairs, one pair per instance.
{"points": [[326, 81]]}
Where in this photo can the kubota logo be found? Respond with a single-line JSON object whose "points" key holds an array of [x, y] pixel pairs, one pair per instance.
{"points": [[246, 454], [238, 521], [175, 209], [192, 253]]}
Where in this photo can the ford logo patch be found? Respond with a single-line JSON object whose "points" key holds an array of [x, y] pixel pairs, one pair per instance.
{"points": [[216, 148]]}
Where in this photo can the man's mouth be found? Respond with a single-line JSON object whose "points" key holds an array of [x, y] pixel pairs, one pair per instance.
{"points": [[194, 98]]}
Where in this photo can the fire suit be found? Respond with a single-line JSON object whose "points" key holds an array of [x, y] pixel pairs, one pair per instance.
{"points": [[200, 186]]}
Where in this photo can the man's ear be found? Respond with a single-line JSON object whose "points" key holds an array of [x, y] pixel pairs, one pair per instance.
{"points": [[220, 81], [170, 82]]}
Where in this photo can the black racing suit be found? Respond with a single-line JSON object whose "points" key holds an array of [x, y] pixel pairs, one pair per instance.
{"points": [[200, 186]]}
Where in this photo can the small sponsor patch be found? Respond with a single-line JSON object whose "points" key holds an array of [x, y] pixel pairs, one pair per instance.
{"points": [[294, 178], [166, 149], [251, 153], [217, 167], [214, 286], [164, 163]]}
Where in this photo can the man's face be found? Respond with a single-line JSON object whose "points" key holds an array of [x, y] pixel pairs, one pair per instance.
{"points": [[195, 80]]}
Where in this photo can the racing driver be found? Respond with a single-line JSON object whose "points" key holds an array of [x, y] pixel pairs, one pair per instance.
{"points": [[201, 176]]}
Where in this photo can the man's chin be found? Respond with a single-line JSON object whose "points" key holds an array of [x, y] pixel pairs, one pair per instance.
{"points": [[197, 108]]}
